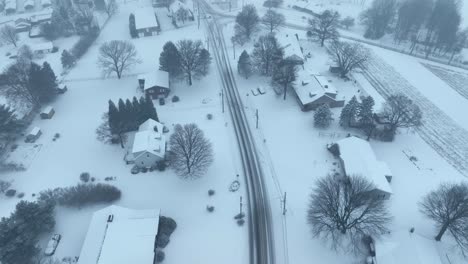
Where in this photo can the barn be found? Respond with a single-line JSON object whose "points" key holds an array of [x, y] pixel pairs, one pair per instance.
{"points": [[146, 23], [155, 85]]}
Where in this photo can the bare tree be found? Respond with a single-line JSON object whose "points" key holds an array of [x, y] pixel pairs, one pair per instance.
{"points": [[448, 207], [191, 153], [194, 59], [8, 35], [17, 81], [267, 54], [400, 112], [324, 26], [348, 56], [378, 17], [285, 75], [247, 21], [117, 56], [273, 20], [112, 7], [345, 209]]}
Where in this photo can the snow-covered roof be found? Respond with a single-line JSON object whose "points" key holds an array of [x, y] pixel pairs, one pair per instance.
{"points": [[145, 18], [41, 17], [42, 46], [129, 238], [158, 78], [47, 110], [46, 2], [359, 159], [10, 4], [28, 3], [35, 131], [150, 138], [291, 47], [309, 89], [411, 248]]}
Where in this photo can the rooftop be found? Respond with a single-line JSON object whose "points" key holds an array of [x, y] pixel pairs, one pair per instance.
{"points": [[291, 46], [145, 18], [311, 87], [158, 78], [108, 242], [150, 138], [42, 46], [359, 159]]}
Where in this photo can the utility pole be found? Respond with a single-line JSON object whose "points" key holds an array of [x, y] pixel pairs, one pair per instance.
{"points": [[284, 204], [234, 49], [256, 115], [222, 100], [198, 15], [240, 212]]}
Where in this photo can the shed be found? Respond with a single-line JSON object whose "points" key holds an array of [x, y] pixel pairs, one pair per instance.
{"points": [[146, 23], [33, 135], [42, 48], [155, 85], [10, 7], [48, 112]]}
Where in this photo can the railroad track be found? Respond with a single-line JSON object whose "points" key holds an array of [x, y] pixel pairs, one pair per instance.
{"points": [[261, 236]]}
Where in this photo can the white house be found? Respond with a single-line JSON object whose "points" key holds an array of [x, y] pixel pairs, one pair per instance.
{"points": [[155, 84], [119, 235], [149, 144], [293, 51], [358, 159], [313, 90], [145, 22], [10, 7]]}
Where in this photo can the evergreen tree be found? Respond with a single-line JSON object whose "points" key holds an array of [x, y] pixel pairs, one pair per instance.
{"points": [[48, 85], [205, 61], [169, 60], [35, 82], [150, 110], [114, 119], [68, 60], [122, 111], [132, 26], [323, 116], [349, 113], [8, 120], [244, 65], [142, 115], [267, 54], [366, 115]]}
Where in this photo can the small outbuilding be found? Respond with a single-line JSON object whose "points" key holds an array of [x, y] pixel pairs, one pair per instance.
{"points": [[10, 7], [155, 85], [28, 5], [48, 112], [146, 23], [33, 135], [42, 48]]}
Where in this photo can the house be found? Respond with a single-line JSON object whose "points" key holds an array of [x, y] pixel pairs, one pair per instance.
{"points": [[314, 90], [33, 135], [180, 11], [42, 48], [48, 112], [146, 23], [293, 52], [41, 18], [46, 3], [409, 248], [28, 5], [226, 4], [10, 7], [358, 159], [155, 85], [120, 235], [35, 31], [149, 144], [22, 25]]}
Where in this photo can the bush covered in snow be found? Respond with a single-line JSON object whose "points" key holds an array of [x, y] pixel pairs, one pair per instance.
{"points": [[10, 193], [167, 225], [160, 256], [84, 177], [81, 194]]}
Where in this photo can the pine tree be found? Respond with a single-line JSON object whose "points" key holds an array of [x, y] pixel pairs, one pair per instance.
{"points": [[349, 113], [323, 116], [49, 84], [169, 60], [122, 112], [68, 60], [141, 115], [244, 65], [132, 26], [114, 118], [205, 61], [150, 110], [366, 115], [8, 120]]}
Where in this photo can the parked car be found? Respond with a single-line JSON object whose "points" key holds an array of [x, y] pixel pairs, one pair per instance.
{"points": [[52, 245]]}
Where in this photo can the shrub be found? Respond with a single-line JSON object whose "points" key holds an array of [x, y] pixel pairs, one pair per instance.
{"points": [[240, 222], [210, 208], [83, 44], [209, 116], [175, 99], [167, 225], [160, 255], [55, 49], [93, 179], [81, 194], [144, 170], [162, 241], [10, 193], [20, 195], [161, 165], [4, 185], [84, 177], [211, 192]]}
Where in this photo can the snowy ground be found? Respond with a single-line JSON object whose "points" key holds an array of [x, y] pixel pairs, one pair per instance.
{"points": [[294, 153], [78, 114]]}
